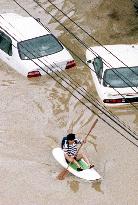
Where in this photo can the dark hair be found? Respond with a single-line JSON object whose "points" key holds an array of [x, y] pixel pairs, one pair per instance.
{"points": [[70, 136]]}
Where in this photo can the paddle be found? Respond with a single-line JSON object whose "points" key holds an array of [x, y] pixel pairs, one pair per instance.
{"points": [[64, 173]]}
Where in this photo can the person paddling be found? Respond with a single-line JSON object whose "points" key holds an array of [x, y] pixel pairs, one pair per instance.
{"points": [[69, 146]]}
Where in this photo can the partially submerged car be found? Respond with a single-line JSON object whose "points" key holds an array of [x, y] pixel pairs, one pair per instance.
{"points": [[115, 73], [30, 48]]}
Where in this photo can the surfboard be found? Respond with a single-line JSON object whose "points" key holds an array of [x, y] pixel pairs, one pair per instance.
{"points": [[87, 174]]}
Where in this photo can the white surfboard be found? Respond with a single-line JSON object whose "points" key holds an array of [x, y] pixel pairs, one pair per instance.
{"points": [[87, 174]]}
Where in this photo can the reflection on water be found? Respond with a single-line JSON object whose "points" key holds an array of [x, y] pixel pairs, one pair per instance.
{"points": [[97, 186], [77, 119], [74, 185], [128, 114], [39, 106], [94, 144], [7, 82]]}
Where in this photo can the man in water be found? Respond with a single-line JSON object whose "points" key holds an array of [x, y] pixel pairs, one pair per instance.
{"points": [[69, 146]]}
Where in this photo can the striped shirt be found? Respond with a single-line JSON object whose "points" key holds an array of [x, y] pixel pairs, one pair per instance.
{"points": [[71, 149]]}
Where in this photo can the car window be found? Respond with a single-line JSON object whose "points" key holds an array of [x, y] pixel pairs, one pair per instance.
{"points": [[121, 77], [98, 66], [39, 47], [5, 43]]}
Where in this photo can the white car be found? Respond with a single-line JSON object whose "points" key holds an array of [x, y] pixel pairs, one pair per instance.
{"points": [[116, 80], [29, 48]]}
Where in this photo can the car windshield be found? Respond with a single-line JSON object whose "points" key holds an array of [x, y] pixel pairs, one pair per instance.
{"points": [[121, 77], [39, 47]]}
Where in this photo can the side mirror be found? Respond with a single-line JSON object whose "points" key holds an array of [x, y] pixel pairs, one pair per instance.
{"points": [[89, 61], [38, 20]]}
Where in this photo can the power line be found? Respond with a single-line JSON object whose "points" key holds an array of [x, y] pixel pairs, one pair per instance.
{"points": [[127, 100], [26, 11], [89, 35], [88, 49], [97, 102], [79, 99], [105, 111]]}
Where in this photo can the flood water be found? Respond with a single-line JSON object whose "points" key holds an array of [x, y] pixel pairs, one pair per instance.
{"points": [[36, 113]]}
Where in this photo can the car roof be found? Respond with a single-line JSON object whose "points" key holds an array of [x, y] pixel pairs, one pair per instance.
{"points": [[22, 28], [126, 53]]}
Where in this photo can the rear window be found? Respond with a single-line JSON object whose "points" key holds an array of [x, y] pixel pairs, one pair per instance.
{"points": [[121, 77], [39, 47]]}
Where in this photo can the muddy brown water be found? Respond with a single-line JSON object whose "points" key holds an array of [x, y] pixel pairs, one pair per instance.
{"points": [[36, 113]]}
